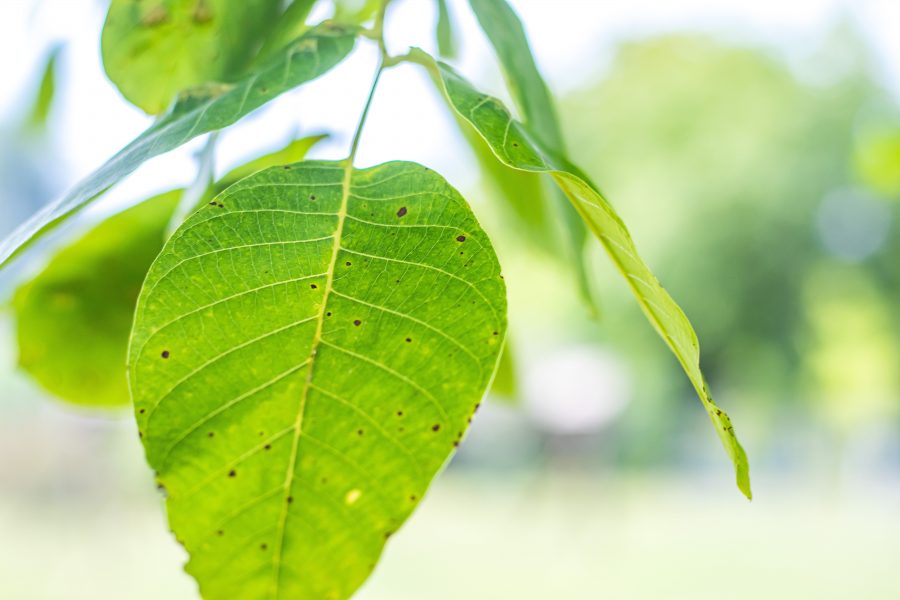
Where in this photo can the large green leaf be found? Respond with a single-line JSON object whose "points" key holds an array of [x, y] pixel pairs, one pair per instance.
{"points": [[532, 97], [153, 49], [196, 112], [307, 352], [517, 148], [73, 319]]}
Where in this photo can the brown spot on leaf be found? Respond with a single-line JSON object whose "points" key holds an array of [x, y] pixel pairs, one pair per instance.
{"points": [[357, 322], [165, 354], [460, 238], [402, 211]]}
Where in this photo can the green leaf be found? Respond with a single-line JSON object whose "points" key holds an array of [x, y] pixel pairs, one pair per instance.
{"points": [[153, 49], [532, 97], [517, 148], [444, 31], [290, 25], [74, 318], [40, 108], [196, 112], [307, 352]]}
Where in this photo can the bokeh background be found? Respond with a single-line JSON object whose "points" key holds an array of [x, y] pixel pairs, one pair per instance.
{"points": [[754, 150]]}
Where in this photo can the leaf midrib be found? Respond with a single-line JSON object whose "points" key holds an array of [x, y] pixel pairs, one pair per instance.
{"points": [[311, 360]]}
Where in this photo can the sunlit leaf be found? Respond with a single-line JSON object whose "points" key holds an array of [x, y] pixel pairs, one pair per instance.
{"points": [[74, 318], [196, 112], [517, 148], [308, 350], [154, 49], [532, 97]]}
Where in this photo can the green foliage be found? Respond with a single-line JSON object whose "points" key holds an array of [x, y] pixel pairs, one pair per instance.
{"points": [[197, 111], [515, 147], [310, 345], [530, 94], [297, 408], [74, 318], [152, 50], [89, 289]]}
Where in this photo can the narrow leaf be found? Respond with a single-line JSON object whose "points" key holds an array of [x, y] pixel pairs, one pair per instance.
{"points": [[290, 25], [196, 112], [444, 31], [532, 97], [74, 318], [307, 352], [43, 100], [152, 50], [517, 148]]}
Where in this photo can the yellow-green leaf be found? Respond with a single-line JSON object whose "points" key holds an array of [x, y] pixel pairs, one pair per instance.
{"points": [[307, 352], [518, 148]]}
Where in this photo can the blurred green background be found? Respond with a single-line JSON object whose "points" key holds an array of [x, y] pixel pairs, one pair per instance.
{"points": [[763, 187]]}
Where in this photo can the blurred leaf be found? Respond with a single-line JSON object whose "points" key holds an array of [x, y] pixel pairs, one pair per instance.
{"points": [[444, 31], [196, 112], [300, 359], [355, 12], [40, 109], [153, 49], [504, 385], [290, 25], [877, 159], [516, 147], [295, 151], [74, 318], [530, 94]]}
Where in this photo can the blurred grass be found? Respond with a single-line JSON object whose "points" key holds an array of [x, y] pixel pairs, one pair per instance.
{"points": [[533, 538]]}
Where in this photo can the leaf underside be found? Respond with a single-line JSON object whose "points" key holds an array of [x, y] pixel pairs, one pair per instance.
{"points": [[152, 49], [308, 350], [196, 112], [517, 148]]}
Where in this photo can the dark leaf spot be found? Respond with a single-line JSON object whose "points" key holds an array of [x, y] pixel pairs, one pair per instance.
{"points": [[328, 314], [360, 432], [460, 238], [290, 499], [267, 447], [408, 340], [348, 263], [436, 427], [232, 473], [142, 411], [402, 211], [211, 434], [165, 354], [313, 286], [357, 322], [399, 413], [263, 546], [220, 533], [312, 196]]}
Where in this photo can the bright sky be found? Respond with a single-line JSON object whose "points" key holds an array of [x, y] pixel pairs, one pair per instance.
{"points": [[573, 41]]}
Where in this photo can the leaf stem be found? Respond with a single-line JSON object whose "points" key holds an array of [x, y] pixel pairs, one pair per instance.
{"points": [[378, 34]]}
